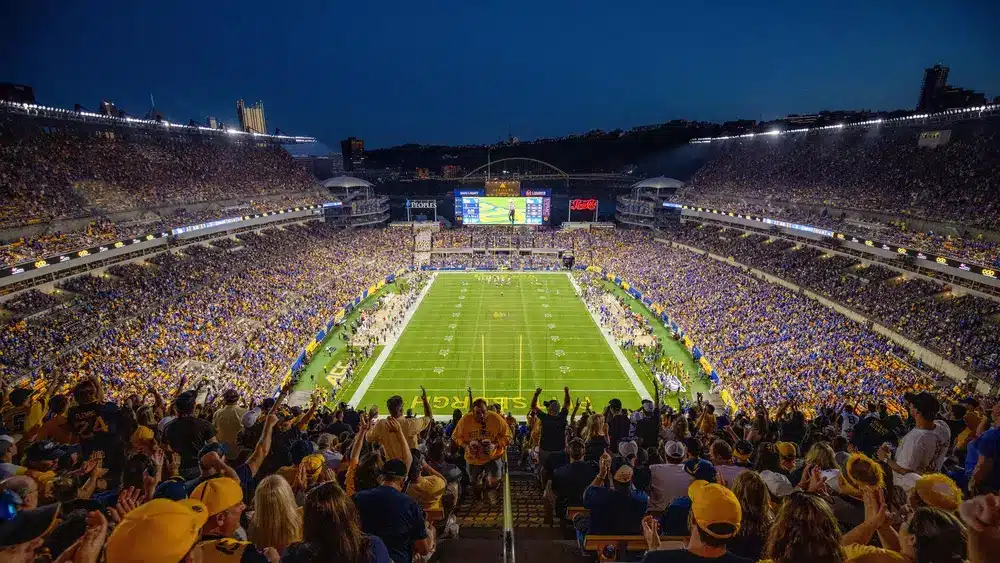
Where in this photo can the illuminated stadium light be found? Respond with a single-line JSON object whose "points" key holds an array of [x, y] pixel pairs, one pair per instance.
{"points": [[128, 119], [879, 121]]}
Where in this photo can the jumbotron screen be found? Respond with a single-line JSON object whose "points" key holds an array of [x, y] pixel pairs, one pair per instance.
{"points": [[480, 210]]}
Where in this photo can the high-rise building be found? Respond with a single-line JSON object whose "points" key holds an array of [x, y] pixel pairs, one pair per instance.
{"points": [[353, 150], [251, 117], [935, 81]]}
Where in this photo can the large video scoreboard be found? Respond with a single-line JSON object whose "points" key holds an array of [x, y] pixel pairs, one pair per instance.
{"points": [[474, 207]]}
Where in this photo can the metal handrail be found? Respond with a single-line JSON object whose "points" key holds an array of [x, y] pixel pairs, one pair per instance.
{"points": [[508, 516]]}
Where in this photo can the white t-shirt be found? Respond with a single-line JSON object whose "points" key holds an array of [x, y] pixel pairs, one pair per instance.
{"points": [[667, 482], [847, 422], [924, 451], [730, 473]]}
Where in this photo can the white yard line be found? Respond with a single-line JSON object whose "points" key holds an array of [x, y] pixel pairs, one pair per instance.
{"points": [[626, 366], [369, 378]]}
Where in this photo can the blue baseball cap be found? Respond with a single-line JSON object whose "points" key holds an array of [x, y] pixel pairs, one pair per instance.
{"points": [[700, 470]]}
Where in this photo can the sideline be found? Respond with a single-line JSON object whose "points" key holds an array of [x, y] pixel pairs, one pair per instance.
{"points": [[615, 349], [369, 378]]}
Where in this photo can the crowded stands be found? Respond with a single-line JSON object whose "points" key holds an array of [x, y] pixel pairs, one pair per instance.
{"points": [[147, 412]]}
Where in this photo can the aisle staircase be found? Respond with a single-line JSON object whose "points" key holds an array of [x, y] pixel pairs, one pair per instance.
{"points": [[480, 538]]}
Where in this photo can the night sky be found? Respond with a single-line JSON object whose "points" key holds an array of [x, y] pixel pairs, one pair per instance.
{"points": [[458, 72]]}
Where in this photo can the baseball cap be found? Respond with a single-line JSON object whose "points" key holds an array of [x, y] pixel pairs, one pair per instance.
{"points": [[925, 403], [787, 450], [231, 396], [142, 436], [250, 417], [714, 505], [27, 525], [859, 471], [624, 474], [218, 494], [314, 464], [626, 449], [700, 469], [394, 468], [46, 450], [186, 400], [159, 531], [216, 447], [675, 450], [6, 443], [939, 491], [173, 489], [743, 450]]}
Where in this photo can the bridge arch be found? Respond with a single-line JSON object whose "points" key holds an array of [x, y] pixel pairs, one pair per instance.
{"points": [[522, 159]]}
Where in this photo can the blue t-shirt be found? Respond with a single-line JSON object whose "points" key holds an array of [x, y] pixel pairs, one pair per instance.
{"points": [[394, 517], [988, 446], [615, 512]]}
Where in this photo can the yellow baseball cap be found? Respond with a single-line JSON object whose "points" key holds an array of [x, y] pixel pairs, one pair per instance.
{"points": [[715, 504], [142, 436], [159, 531], [939, 491], [787, 450], [218, 494], [313, 464]]}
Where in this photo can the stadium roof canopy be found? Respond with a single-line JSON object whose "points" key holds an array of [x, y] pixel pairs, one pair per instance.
{"points": [[659, 182], [346, 182]]}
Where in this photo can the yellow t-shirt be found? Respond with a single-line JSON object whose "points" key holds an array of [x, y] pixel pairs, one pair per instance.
{"points": [[855, 551], [380, 434], [470, 430], [428, 491]]}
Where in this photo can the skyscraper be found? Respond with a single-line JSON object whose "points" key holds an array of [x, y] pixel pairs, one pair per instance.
{"points": [[935, 81], [251, 117], [353, 150]]}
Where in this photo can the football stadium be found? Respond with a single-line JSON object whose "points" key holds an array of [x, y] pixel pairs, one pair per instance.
{"points": [[771, 340]]}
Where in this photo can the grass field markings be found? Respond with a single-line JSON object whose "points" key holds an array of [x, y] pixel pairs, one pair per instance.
{"points": [[545, 305], [640, 388], [369, 378], [456, 315], [550, 326], [439, 370], [448, 337], [560, 353]]}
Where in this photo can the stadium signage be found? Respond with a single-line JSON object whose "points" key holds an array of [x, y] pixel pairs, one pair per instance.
{"points": [[468, 193], [61, 258], [537, 193], [423, 204], [583, 204], [902, 251]]}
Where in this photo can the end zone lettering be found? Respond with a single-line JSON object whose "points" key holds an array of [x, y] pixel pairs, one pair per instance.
{"points": [[455, 402]]}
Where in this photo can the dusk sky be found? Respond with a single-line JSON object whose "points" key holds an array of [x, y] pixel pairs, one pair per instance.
{"points": [[454, 72]]}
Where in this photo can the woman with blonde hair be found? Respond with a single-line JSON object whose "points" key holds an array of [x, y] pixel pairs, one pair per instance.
{"points": [[757, 517], [276, 520], [596, 436]]}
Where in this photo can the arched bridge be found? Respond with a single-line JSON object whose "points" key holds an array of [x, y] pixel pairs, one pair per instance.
{"points": [[523, 168]]}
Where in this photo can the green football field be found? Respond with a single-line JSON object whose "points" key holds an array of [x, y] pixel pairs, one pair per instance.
{"points": [[501, 339]]}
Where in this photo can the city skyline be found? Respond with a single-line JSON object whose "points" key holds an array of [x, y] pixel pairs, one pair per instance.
{"points": [[442, 74]]}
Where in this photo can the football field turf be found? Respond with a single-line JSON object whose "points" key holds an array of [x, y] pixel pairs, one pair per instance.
{"points": [[503, 340]]}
